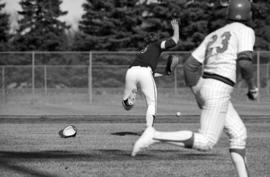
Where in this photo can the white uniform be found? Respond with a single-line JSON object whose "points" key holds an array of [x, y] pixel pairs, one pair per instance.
{"points": [[140, 73], [143, 76], [219, 52], [219, 49]]}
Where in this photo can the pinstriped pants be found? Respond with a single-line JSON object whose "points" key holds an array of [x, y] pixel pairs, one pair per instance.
{"points": [[217, 114]]}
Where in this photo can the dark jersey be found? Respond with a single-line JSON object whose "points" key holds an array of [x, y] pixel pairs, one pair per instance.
{"points": [[150, 55]]}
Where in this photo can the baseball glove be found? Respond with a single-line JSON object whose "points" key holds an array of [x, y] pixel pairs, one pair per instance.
{"points": [[172, 63], [253, 94], [68, 131]]}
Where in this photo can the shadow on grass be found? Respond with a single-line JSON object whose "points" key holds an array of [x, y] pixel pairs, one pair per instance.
{"points": [[103, 155], [25, 171], [14, 160], [125, 133]]}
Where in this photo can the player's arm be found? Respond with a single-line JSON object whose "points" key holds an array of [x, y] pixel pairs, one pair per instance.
{"points": [[247, 72], [172, 60], [192, 71], [193, 65], [171, 64], [175, 27], [244, 61], [171, 42]]}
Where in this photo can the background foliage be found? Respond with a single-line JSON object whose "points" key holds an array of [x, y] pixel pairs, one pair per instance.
{"points": [[120, 25]]}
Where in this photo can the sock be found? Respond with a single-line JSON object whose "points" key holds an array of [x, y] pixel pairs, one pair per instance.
{"points": [[150, 120], [239, 160]]}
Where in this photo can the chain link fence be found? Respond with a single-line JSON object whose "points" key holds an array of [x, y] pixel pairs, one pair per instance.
{"points": [[97, 78]]}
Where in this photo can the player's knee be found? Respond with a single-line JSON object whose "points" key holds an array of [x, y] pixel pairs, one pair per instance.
{"points": [[243, 134], [238, 140]]}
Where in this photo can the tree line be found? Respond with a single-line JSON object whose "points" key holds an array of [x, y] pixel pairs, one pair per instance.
{"points": [[110, 25]]}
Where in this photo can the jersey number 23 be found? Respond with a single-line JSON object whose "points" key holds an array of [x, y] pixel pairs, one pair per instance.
{"points": [[211, 50]]}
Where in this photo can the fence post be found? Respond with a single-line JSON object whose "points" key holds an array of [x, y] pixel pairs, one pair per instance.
{"points": [[3, 84], [45, 80], [33, 76], [267, 78], [175, 81], [90, 91], [258, 74]]}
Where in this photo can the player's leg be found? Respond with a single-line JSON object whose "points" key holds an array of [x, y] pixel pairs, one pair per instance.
{"points": [[236, 130], [216, 97], [130, 90], [212, 124], [149, 89]]}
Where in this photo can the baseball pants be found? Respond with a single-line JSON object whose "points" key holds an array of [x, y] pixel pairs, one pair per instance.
{"points": [[142, 77], [217, 114]]}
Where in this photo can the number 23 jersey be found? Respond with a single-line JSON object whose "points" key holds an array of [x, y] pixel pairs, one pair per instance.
{"points": [[221, 48]]}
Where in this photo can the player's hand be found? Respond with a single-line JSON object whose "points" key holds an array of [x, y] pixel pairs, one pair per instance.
{"points": [[253, 93], [174, 23], [171, 64]]}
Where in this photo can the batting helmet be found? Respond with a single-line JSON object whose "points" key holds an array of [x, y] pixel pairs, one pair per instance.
{"points": [[239, 10]]}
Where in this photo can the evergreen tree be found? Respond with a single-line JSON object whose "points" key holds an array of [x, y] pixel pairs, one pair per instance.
{"points": [[40, 27], [4, 28], [261, 24], [108, 25], [123, 24], [193, 26]]}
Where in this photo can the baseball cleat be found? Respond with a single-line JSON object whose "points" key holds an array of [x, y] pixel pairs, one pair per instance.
{"points": [[130, 101], [144, 141], [126, 105], [67, 132]]}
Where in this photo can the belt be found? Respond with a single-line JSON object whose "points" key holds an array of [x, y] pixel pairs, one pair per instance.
{"points": [[141, 65], [218, 77]]}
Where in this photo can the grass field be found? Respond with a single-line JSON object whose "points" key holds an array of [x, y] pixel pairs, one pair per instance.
{"points": [[32, 148]]}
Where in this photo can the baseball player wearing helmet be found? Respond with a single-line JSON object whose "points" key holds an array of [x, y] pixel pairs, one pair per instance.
{"points": [[219, 54], [141, 71]]}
